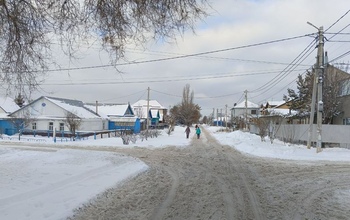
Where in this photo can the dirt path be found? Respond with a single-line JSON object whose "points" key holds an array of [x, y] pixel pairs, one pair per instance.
{"points": [[209, 181]]}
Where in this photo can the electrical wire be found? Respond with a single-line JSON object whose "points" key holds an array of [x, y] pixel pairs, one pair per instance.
{"points": [[341, 17], [286, 70], [267, 89], [180, 56]]}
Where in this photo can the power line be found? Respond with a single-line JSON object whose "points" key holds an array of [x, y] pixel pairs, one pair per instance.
{"points": [[186, 78], [285, 72], [340, 56], [124, 96], [267, 89], [341, 17], [284, 86], [181, 56]]}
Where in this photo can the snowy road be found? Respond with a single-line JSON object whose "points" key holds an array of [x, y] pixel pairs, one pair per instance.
{"points": [[209, 181]]}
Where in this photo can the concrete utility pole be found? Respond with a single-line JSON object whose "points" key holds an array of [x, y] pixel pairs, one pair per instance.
{"points": [[313, 102], [147, 118], [320, 70], [319, 80], [226, 117], [246, 109], [217, 117]]}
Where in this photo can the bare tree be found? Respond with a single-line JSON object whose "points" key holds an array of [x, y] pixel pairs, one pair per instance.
{"points": [[21, 121], [186, 112], [333, 81], [73, 123], [170, 120], [29, 28], [275, 122], [263, 124], [332, 85]]}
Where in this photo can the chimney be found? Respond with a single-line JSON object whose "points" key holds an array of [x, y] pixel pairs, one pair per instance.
{"points": [[96, 107]]}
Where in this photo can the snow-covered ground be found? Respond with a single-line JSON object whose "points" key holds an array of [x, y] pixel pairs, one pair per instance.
{"points": [[48, 182]]}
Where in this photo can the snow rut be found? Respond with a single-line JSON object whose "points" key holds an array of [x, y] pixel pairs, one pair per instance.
{"points": [[209, 181]]}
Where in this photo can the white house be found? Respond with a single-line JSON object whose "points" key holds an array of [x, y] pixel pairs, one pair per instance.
{"points": [[50, 113], [244, 109], [156, 111], [7, 106]]}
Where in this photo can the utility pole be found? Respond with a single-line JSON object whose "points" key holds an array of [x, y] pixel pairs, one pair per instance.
{"points": [[313, 102], [221, 118], [226, 117], [147, 118], [217, 117], [319, 80], [319, 88], [246, 109]]}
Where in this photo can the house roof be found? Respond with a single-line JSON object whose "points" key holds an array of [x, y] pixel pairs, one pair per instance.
{"points": [[249, 105], [107, 110], [74, 106], [152, 104], [8, 104], [140, 108], [277, 111], [274, 103]]}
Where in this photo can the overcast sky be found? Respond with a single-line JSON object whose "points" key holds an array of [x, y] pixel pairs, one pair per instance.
{"points": [[217, 79]]}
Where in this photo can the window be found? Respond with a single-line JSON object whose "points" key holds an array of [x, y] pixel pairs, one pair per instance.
{"points": [[344, 88], [61, 126], [346, 121], [34, 126], [253, 112], [51, 126]]}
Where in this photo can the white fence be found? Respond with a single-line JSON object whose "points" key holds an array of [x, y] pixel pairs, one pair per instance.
{"points": [[338, 135]]}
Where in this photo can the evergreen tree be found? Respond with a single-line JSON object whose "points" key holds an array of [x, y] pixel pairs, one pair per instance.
{"points": [[301, 99]]}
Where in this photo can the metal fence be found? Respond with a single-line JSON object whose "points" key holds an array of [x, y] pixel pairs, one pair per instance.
{"points": [[332, 135]]}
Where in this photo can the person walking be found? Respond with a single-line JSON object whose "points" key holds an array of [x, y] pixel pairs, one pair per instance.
{"points": [[198, 132], [188, 131]]}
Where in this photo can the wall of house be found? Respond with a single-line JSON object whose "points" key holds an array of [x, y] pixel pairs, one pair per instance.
{"points": [[93, 125], [345, 115], [241, 112], [42, 107], [86, 125], [6, 127]]}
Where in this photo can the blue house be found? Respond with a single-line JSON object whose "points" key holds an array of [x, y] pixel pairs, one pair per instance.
{"points": [[120, 116], [7, 124]]}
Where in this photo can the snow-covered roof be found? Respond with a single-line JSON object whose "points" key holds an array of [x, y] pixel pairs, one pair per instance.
{"points": [[152, 104], [274, 103], [123, 119], [74, 106], [107, 110], [249, 105], [140, 108], [8, 104], [278, 111]]}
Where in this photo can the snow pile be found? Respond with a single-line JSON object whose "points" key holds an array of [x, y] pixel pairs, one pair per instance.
{"points": [[252, 144]]}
